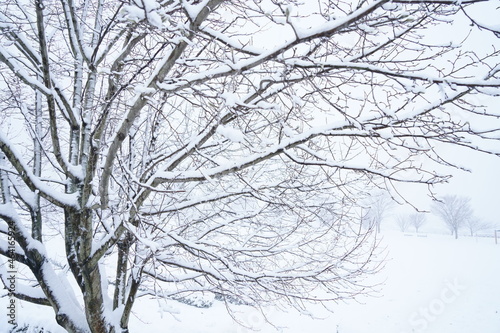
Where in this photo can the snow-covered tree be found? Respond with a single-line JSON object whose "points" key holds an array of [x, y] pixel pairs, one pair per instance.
{"points": [[475, 224], [417, 220], [175, 147], [454, 211], [402, 222], [379, 206]]}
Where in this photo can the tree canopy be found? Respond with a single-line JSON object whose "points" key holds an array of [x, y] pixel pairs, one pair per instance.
{"points": [[174, 147]]}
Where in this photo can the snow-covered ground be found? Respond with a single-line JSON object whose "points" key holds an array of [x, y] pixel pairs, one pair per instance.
{"points": [[432, 284]]}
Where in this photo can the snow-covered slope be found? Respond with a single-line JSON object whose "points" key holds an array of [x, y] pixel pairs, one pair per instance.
{"points": [[432, 284]]}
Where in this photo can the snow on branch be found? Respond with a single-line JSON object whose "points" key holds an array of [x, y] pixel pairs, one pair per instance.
{"points": [[223, 146], [365, 67], [32, 181]]}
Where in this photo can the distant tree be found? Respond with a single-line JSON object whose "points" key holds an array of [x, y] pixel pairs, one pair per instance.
{"points": [[403, 223], [379, 207], [475, 224], [417, 220], [454, 211]]}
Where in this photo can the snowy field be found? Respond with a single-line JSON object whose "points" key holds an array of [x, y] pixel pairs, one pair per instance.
{"points": [[432, 284]]}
